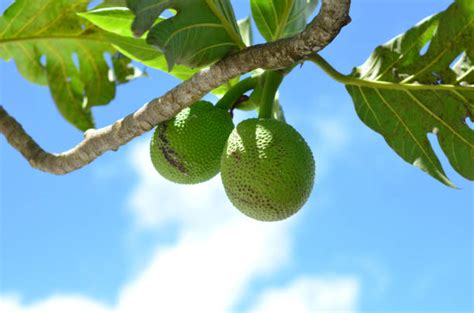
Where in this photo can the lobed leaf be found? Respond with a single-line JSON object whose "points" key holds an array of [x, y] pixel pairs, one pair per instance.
{"points": [[52, 46], [200, 33], [404, 93], [116, 24], [277, 19]]}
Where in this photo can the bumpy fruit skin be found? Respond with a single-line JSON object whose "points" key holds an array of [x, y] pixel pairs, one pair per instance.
{"points": [[267, 169], [187, 149]]}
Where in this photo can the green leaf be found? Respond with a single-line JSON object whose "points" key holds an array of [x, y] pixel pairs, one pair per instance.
{"points": [[277, 19], [124, 71], [116, 20], [74, 66], [112, 3], [116, 24], [201, 32], [404, 94], [245, 29], [466, 5]]}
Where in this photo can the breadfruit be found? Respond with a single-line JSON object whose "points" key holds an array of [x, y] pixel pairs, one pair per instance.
{"points": [[267, 169], [187, 149]]}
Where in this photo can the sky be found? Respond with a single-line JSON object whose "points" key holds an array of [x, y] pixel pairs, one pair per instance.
{"points": [[377, 234]]}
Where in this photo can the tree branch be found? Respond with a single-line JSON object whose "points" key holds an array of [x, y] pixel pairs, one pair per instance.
{"points": [[334, 14]]}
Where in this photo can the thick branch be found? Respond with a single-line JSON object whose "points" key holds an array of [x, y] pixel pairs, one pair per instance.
{"points": [[334, 14]]}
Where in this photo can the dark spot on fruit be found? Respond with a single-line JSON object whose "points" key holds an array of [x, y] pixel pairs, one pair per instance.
{"points": [[173, 160], [235, 155], [168, 153], [161, 133]]}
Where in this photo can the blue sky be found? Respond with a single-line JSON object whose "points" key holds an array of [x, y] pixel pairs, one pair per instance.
{"points": [[377, 234]]}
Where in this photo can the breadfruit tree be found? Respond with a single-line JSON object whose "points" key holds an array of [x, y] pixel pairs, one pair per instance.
{"points": [[401, 92]]}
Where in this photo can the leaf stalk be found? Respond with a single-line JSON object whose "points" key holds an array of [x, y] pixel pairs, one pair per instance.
{"points": [[350, 80]]}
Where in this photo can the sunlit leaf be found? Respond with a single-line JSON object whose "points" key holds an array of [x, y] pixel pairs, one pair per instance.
{"points": [[200, 33], [52, 46], [116, 22], [277, 19], [404, 93], [245, 28]]}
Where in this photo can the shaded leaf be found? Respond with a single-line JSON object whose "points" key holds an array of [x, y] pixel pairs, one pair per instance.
{"points": [[124, 71], [404, 94], [200, 33], [116, 22], [51, 46], [277, 19]]}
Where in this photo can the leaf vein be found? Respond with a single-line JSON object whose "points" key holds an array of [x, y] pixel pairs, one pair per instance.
{"points": [[439, 56], [417, 101], [192, 26], [406, 128], [369, 106]]}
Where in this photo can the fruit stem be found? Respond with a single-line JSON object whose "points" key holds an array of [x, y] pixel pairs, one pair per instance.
{"points": [[272, 80], [231, 96]]}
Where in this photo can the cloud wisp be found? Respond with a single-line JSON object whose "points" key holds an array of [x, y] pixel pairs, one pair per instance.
{"points": [[217, 255]]}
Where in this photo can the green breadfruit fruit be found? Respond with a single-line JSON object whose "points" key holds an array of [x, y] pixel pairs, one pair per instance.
{"points": [[187, 149], [267, 169]]}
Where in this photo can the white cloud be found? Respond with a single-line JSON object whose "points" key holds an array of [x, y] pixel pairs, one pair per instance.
{"points": [[309, 295], [156, 201], [207, 272], [217, 255], [57, 304]]}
